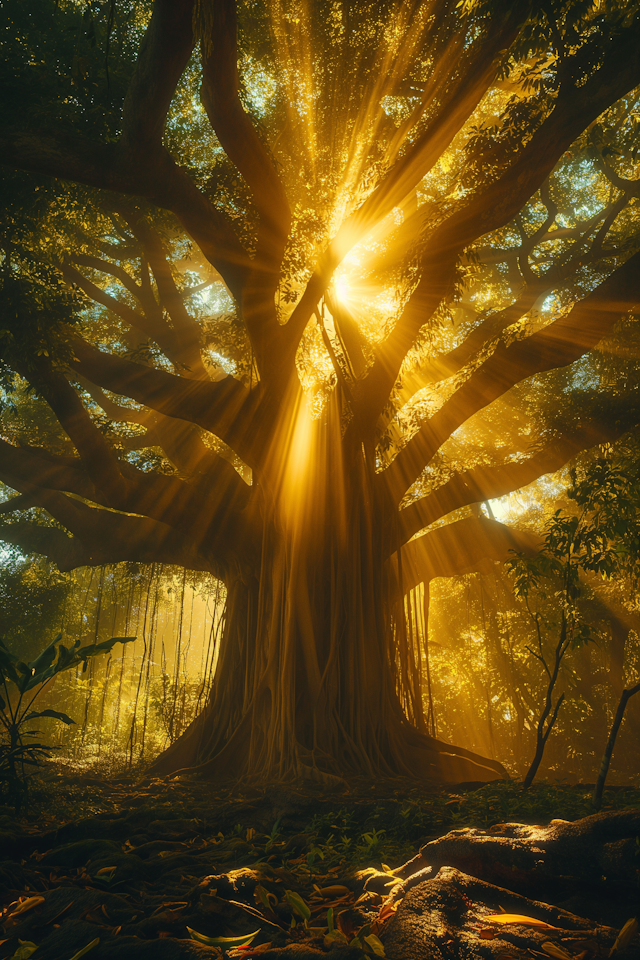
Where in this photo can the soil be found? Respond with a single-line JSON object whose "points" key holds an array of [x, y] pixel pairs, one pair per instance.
{"points": [[126, 870]]}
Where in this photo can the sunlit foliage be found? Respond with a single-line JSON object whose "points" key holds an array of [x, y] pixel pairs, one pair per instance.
{"points": [[285, 285]]}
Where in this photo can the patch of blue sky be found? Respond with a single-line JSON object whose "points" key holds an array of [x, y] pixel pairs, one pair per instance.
{"points": [[7, 552], [399, 108], [550, 304], [215, 299], [583, 376], [529, 502], [259, 87], [229, 366], [114, 289]]}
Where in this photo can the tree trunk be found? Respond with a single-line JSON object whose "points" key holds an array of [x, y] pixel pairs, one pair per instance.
{"points": [[307, 683]]}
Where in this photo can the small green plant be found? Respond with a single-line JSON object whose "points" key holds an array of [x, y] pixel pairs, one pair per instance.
{"points": [[22, 684], [373, 840]]}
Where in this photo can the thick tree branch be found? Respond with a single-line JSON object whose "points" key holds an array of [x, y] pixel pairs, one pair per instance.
{"points": [[155, 328], [105, 266], [459, 547], [66, 552], [495, 206], [557, 345], [138, 164], [487, 482], [159, 179], [179, 440], [445, 365], [21, 502], [225, 407], [206, 510], [186, 330], [236, 133], [456, 106], [164, 53], [98, 459], [113, 410], [21, 466], [630, 187], [101, 536]]}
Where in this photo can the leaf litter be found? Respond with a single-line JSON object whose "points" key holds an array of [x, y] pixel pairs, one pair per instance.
{"points": [[246, 872]]}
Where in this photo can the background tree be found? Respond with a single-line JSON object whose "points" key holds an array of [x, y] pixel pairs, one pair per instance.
{"points": [[551, 578], [404, 214]]}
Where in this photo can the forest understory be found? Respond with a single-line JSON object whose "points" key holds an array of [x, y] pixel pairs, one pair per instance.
{"points": [[193, 868]]}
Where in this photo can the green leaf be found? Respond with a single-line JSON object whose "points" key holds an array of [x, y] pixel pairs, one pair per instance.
{"points": [[25, 950], [103, 647], [89, 946], [222, 941], [296, 902], [336, 935], [264, 897], [46, 658], [372, 941], [54, 714]]}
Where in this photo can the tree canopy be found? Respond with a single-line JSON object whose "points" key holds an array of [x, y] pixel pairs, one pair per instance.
{"points": [[285, 285]]}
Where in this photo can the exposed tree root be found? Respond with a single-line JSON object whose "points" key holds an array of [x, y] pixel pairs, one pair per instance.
{"points": [[449, 917], [530, 858]]}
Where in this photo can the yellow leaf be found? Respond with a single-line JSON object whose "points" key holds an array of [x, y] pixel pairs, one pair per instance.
{"points": [[518, 918], [25, 950], [225, 942], [89, 946], [375, 944], [104, 871], [26, 905], [625, 936], [336, 890], [555, 951]]}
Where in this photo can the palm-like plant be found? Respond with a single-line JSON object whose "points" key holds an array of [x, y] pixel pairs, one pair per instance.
{"points": [[18, 748]]}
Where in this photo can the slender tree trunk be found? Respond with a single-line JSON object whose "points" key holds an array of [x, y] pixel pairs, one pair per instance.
{"points": [[542, 732], [608, 751]]}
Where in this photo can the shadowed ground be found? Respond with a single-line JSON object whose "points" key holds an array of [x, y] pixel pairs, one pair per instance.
{"points": [[137, 866]]}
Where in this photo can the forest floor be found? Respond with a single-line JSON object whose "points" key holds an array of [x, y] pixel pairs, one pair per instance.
{"points": [[191, 869]]}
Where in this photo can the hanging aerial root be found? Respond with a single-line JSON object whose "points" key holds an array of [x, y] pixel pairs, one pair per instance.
{"points": [[408, 753]]}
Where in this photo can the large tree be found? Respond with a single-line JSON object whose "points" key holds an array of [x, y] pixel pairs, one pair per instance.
{"points": [[412, 212]]}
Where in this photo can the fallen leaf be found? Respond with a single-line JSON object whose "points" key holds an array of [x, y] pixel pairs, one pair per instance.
{"points": [[222, 941], [335, 890], [25, 905], [387, 910], [89, 946], [25, 950], [625, 936], [556, 951], [518, 918], [375, 944], [105, 871]]}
